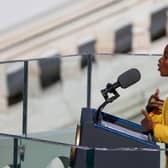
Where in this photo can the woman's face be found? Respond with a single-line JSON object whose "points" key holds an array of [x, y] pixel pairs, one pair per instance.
{"points": [[163, 63]]}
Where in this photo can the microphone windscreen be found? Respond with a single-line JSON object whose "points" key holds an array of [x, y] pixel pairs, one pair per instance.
{"points": [[129, 77]]}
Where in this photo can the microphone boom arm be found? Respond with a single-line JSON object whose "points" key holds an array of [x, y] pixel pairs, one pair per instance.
{"points": [[107, 101], [125, 80]]}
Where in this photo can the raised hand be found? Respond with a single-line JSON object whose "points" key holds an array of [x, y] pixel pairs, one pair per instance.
{"points": [[147, 121], [155, 103]]}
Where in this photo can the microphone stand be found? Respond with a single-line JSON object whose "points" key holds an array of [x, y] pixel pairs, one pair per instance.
{"points": [[107, 101]]}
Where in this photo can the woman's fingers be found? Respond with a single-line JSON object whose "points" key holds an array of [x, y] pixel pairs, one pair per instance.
{"points": [[145, 114], [147, 121], [157, 93], [156, 104], [155, 96]]}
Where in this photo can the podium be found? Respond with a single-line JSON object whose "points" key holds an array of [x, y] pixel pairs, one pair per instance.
{"points": [[112, 132]]}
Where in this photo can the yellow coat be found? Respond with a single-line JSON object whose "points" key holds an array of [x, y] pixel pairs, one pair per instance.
{"points": [[161, 124], [160, 128]]}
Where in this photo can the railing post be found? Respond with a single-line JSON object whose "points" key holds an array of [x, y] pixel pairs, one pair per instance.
{"points": [[89, 79], [15, 153], [25, 99]]}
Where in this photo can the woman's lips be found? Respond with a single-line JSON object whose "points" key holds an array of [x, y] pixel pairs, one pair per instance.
{"points": [[158, 67]]}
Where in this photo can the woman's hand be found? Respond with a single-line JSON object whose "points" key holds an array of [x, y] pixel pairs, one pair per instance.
{"points": [[155, 104], [146, 122]]}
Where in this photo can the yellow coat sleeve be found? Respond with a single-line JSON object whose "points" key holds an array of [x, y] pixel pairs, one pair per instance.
{"points": [[156, 118], [161, 133], [161, 124]]}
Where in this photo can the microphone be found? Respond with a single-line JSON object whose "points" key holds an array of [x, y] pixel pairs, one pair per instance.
{"points": [[125, 80]]}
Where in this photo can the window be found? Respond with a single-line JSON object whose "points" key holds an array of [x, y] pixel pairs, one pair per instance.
{"points": [[158, 24], [50, 71], [123, 39], [86, 49], [15, 84]]}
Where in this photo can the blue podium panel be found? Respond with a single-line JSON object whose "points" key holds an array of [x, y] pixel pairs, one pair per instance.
{"points": [[112, 132]]}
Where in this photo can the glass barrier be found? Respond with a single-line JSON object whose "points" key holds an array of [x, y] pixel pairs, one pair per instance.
{"points": [[58, 88], [18, 152], [11, 85], [22, 152], [6, 151], [45, 155], [56, 93]]}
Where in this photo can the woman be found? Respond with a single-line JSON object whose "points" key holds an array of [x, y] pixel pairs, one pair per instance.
{"points": [[157, 117]]}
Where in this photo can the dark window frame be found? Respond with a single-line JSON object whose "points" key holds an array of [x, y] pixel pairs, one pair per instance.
{"points": [[85, 49], [158, 24], [15, 85], [124, 39], [50, 71]]}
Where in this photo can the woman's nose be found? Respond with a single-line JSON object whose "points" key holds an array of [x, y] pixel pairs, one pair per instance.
{"points": [[159, 60]]}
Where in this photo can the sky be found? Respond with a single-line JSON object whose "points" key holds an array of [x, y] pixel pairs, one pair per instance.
{"points": [[13, 12]]}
